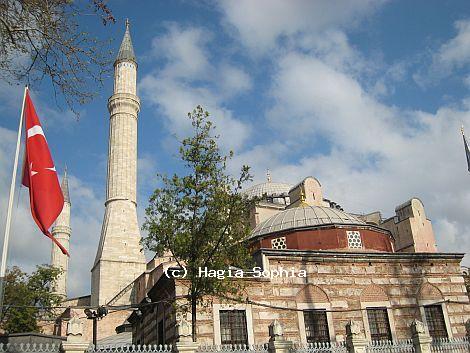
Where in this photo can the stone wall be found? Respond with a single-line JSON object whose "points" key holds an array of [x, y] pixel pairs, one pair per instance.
{"points": [[345, 284]]}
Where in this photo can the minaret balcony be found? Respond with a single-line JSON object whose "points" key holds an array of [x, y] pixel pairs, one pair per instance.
{"points": [[61, 229], [124, 103]]}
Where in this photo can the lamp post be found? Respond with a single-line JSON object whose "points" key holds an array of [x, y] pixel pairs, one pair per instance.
{"points": [[95, 316]]}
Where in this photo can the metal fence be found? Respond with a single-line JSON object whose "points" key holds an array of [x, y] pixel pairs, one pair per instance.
{"points": [[30, 348], [321, 347], [451, 345], [405, 346], [234, 348], [131, 348]]}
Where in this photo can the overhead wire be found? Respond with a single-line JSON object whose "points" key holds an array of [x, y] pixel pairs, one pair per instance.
{"points": [[134, 306]]}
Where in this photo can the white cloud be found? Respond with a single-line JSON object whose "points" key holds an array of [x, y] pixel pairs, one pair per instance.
{"points": [[450, 56], [261, 24], [86, 218], [233, 80], [146, 174], [328, 102], [456, 52], [184, 50], [187, 80]]}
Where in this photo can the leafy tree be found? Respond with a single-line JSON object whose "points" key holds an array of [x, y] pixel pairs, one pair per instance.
{"points": [[200, 217], [41, 39], [28, 298]]}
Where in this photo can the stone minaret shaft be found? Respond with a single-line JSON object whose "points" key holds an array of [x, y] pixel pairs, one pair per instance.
{"points": [[120, 259], [62, 231]]}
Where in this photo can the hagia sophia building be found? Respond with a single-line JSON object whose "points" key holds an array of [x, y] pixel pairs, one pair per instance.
{"points": [[382, 273]]}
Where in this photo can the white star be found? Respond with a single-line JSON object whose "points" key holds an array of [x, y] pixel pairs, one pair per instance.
{"points": [[33, 172]]}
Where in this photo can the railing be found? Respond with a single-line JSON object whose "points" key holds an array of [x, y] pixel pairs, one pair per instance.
{"points": [[234, 348], [405, 346], [133, 348], [30, 348], [451, 345], [320, 347]]}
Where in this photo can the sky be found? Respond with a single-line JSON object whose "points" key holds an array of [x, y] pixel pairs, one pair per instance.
{"points": [[367, 96]]}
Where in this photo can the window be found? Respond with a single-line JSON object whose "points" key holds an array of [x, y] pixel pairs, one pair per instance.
{"points": [[354, 239], [279, 243], [316, 326], [378, 324], [435, 321], [233, 327]]}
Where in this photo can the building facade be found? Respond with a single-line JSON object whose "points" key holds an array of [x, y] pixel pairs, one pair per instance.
{"points": [[321, 268]]}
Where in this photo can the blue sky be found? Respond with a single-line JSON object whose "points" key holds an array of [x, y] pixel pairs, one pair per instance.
{"points": [[368, 96]]}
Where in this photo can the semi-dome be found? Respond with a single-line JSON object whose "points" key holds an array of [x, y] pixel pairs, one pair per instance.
{"points": [[304, 217], [268, 188]]}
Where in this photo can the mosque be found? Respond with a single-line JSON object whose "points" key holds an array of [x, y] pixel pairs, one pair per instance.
{"points": [[382, 273]]}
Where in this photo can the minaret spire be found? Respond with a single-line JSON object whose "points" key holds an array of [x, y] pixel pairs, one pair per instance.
{"points": [[65, 186], [126, 51]]}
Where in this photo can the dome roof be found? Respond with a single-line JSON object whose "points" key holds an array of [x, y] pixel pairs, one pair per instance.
{"points": [[306, 216], [268, 188]]}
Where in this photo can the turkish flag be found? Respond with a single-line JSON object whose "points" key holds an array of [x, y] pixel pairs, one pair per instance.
{"points": [[39, 175]]}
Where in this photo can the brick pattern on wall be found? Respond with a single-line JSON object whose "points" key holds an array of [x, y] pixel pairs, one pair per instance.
{"points": [[346, 283], [373, 293]]}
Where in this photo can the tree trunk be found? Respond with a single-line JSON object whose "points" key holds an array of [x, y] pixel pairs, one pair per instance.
{"points": [[193, 317]]}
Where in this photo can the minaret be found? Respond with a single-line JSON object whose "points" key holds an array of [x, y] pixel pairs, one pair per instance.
{"points": [[61, 231], [120, 259]]}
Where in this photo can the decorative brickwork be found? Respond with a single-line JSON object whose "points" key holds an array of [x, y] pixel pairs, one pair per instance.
{"points": [[429, 291], [374, 293], [311, 294]]}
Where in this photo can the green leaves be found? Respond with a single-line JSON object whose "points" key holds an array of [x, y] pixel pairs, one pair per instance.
{"points": [[28, 298], [201, 217]]}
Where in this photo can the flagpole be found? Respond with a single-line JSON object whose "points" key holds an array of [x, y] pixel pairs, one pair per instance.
{"points": [[3, 265]]}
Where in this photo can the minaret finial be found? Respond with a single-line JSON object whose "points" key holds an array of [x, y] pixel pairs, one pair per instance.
{"points": [[461, 130], [127, 23], [268, 175], [302, 195]]}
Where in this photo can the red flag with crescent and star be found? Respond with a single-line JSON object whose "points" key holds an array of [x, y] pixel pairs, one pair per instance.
{"points": [[40, 176]]}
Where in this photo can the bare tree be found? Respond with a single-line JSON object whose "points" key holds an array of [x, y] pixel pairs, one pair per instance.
{"points": [[41, 39]]}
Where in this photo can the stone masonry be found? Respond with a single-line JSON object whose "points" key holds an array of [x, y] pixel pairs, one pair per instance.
{"points": [[120, 259], [344, 284], [62, 231]]}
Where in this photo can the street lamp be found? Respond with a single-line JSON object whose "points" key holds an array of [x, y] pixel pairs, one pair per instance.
{"points": [[95, 316]]}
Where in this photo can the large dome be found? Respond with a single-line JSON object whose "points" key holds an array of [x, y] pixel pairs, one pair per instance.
{"points": [[304, 217], [268, 188]]}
